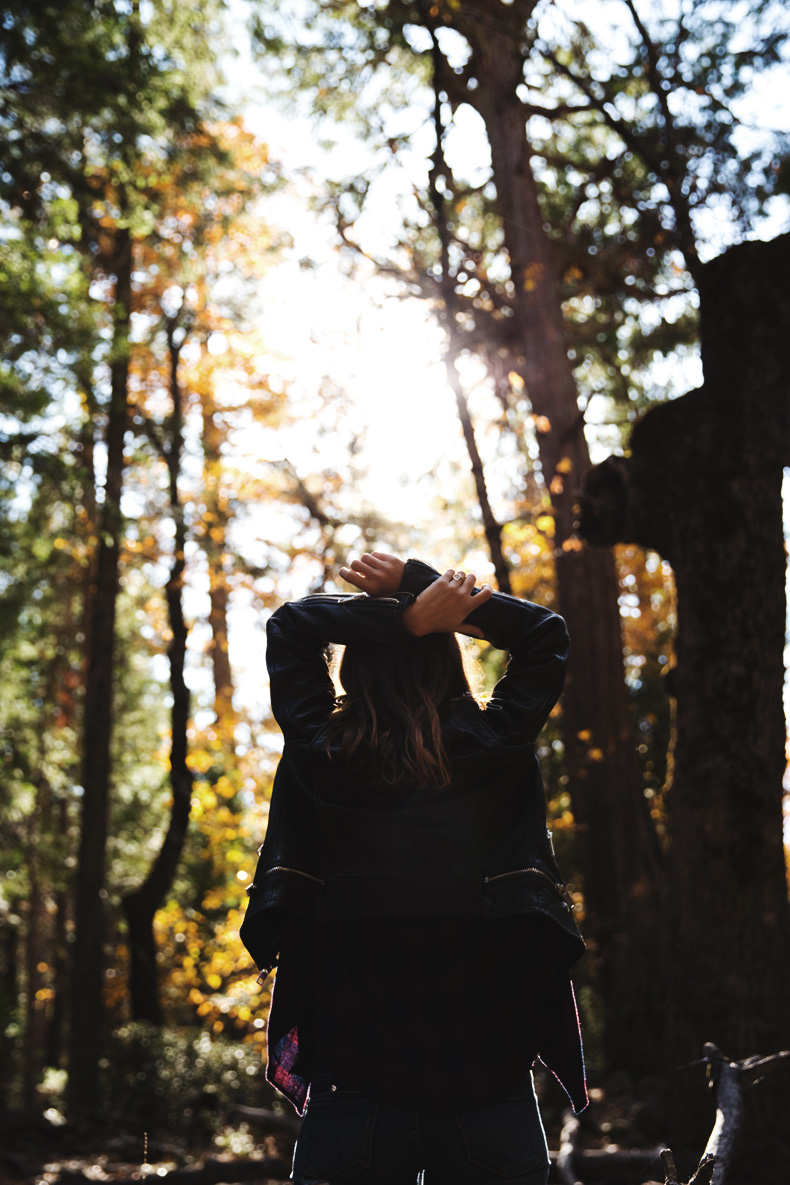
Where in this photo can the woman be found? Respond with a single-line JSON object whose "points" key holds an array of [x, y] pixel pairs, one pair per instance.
{"points": [[407, 887]]}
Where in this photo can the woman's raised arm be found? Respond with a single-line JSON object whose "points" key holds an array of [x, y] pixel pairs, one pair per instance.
{"points": [[297, 636], [539, 647]]}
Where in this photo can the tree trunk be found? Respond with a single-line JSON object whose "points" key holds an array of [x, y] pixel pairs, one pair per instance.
{"points": [[214, 546], [9, 1002], [87, 973], [31, 1053], [38, 938], [55, 1028], [140, 906], [618, 852], [703, 487], [491, 528]]}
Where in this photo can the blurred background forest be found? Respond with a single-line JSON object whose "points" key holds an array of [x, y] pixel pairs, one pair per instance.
{"points": [[501, 285]]}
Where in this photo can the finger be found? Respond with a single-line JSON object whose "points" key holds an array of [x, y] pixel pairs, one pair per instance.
{"points": [[448, 576], [370, 559], [384, 556], [471, 631], [485, 594], [363, 568], [352, 578], [459, 577], [468, 584]]}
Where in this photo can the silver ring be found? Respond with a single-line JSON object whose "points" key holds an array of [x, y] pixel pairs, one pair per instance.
{"points": [[458, 576]]}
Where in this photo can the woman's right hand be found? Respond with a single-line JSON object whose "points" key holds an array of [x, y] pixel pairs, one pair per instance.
{"points": [[443, 606], [376, 573]]}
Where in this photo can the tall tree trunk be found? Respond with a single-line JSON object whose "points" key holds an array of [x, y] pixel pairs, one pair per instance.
{"points": [[53, 1051], [140, 906], [87, 973], [68, 680], [32, 1049], [215, 548], [619, 852], [9, 1002], [38, 942], [703, 487], [491, 528]]}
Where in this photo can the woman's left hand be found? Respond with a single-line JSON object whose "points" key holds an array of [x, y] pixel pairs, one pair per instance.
{"points": [[375, 573], [444, 606]]}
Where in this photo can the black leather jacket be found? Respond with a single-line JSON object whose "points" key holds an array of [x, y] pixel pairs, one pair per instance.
{"points": [[339, 848]]}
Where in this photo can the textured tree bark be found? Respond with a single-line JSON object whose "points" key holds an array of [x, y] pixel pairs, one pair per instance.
{"points": [[140, 906], [9, 995], [31, 1053], [703, 487], [87, 971], [59, 961], [618, 851], [214, 544]]}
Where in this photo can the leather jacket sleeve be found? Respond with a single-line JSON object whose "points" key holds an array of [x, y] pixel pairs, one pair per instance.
{"points": [[539, 649], [297, 635]]}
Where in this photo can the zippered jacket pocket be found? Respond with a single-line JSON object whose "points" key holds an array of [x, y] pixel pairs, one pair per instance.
{"points": [[558, 887], [256, 884]]}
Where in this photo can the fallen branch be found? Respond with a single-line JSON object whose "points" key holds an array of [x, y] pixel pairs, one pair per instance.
{"points": [[727, 1080], [754, 1069], [569, 1145], [726, 1086], [702, 1174], [612, 1164], [670, 1168], [705, 1170], [270, 1120]]}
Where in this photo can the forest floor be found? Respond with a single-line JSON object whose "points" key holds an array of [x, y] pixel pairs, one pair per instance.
{"points": [[256, 1144], [200, 1140]]}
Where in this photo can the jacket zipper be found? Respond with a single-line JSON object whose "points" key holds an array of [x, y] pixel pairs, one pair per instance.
{"points": [[283, 868], [298, 871], [488, 880], [556, 885], [342, 598]]}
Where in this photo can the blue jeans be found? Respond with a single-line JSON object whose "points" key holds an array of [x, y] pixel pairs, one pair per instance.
{"points": [[347, 1137]]}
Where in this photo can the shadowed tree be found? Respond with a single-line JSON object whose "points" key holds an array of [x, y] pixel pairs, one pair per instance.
{"points": [[141, 905], [702, 486]]}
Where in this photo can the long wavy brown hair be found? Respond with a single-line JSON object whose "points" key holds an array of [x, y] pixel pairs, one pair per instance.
{"points": [[387, 724]]}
